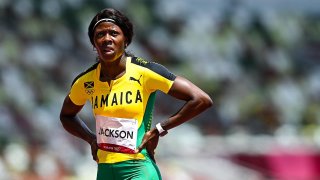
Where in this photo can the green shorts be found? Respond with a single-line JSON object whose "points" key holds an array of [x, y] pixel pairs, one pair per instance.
{"points": [[133, 169]]}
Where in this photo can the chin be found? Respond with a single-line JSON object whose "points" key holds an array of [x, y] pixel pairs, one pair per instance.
{"points": [[109, 58]]}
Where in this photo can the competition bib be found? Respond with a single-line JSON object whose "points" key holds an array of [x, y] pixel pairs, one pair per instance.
{"points": [[116, 134]]}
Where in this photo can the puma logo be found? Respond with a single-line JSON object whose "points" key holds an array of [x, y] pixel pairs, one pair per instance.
{"points": [[134, 79]]}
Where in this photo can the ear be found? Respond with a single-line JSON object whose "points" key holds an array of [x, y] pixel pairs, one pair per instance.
{"points": [[126, 43]]}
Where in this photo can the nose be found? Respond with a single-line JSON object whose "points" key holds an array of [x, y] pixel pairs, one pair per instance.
{"points": [[107, 39]]}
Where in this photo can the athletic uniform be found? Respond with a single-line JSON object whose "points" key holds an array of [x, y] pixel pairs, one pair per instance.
{"points": [[123, 113]]}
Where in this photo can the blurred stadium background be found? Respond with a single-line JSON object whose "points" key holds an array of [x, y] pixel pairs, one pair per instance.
{"points": [[258, 59]]}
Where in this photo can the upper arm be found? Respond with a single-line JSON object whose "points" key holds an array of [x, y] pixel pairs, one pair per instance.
{"points": [[185, 90], [69, 108]]}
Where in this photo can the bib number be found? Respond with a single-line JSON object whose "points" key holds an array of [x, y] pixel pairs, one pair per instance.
{"points": [[116, 134]]}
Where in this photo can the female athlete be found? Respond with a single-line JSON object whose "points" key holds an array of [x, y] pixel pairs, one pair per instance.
{"points": [[121, 89]]}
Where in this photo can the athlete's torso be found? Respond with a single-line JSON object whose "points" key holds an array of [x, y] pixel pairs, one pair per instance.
{"points": [[129, 97]]}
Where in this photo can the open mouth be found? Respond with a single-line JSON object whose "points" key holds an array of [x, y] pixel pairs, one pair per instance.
{"points": [[108, 50]]}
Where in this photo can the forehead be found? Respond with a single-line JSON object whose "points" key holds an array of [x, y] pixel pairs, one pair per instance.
{"points": [[107, 25]]}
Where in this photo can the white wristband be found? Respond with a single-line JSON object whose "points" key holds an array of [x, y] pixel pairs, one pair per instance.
{"points": [[161, 131]]}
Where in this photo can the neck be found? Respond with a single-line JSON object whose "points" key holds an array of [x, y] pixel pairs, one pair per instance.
{"points": [[113, 70]]}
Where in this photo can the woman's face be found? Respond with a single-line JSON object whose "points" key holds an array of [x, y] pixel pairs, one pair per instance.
{"points": [[109, 41]]}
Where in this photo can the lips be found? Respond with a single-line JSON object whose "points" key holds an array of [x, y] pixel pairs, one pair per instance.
{"points": [[108, 49]]}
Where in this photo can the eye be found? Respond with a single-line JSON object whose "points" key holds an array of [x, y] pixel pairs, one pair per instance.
{"points": [[100, 34], [113, 33]]}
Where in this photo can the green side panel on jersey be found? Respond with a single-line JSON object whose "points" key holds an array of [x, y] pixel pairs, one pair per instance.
{"points": [[147, 119]]}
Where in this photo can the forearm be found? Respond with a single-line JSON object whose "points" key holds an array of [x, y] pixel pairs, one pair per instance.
{"points": [[196, 102], [75, 126], [189, 110]]}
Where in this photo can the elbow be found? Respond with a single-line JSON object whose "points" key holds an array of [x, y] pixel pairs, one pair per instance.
{"points": [[205, 101], [63, 118], [66, 121]]}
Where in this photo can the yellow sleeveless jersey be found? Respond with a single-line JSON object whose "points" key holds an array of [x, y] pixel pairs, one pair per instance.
{"points": [[129, 97]]}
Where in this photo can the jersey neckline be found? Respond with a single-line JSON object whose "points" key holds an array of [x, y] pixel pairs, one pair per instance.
{"points": [[97, 75]]}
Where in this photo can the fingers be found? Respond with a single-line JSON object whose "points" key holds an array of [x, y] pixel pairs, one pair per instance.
{"points": [[94, 156], [142, 146], [150, 142], [94, 151], [150, 147], [152, 156]]}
